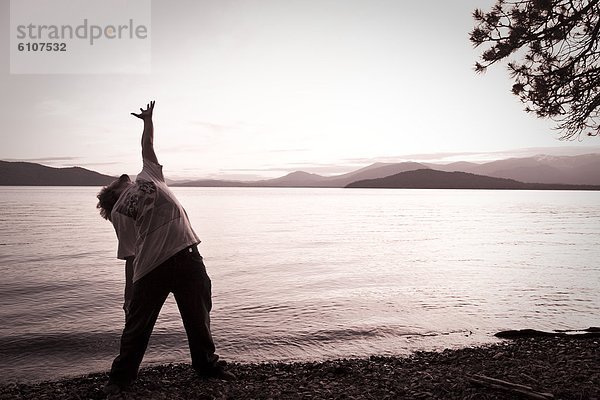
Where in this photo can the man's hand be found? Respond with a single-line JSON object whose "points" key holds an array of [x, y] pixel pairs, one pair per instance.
{"points": [[147, 113], [148, 134]]}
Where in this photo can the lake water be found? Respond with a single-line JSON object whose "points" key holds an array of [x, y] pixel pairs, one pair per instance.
{"points": [[303, 274]]}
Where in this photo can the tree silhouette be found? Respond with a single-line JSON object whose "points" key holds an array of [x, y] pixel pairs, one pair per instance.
{"points": [[557, 41]]}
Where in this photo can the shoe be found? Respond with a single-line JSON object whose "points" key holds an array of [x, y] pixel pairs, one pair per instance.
{"points": [[217, 372]]}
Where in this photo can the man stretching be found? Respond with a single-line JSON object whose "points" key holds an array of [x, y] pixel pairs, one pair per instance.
{"points": [[166, 261]]}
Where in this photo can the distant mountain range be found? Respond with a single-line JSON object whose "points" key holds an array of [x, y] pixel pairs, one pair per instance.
{"points": [[434, 179], [513, 173], [575, 170], [305, 179], [570, 170], [30, 174]]}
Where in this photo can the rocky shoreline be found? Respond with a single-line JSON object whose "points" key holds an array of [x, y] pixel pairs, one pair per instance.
{"points": [[561, 367]]}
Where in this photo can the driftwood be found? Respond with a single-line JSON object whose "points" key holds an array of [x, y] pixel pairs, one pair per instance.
{"points": [[593, 332], [522, 390]]}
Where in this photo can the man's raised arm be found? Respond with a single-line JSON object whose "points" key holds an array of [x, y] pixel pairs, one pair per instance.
{"points": [[148, 134]]}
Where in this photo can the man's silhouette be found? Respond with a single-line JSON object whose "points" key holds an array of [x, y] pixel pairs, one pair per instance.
{"points": [[166, 261]]}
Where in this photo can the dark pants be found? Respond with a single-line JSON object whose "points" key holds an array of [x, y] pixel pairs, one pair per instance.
{"points": [[128, 285], [185, 276]]}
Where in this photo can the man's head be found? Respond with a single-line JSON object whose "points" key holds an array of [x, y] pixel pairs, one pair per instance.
{"points": [[109, 195]]}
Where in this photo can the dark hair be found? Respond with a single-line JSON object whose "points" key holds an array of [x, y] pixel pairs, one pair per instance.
{"points": [[108, 196]]}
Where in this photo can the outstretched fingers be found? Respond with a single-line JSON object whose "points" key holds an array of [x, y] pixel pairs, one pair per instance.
{"points": [[147, 112]]}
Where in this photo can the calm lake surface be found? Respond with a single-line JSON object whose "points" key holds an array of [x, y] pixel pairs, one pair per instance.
{"points": [[302, 274]]}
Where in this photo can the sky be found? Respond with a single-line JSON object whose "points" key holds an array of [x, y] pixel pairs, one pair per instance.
{"points": [[259, 88]]}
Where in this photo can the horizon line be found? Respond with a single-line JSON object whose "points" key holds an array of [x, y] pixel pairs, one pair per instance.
{"points": [[343, 167]]}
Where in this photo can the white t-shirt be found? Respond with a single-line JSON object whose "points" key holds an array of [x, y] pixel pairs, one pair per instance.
{"points": [[161, 224]]}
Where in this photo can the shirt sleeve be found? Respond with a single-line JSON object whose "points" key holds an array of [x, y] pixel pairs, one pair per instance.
{"points": [[125, 230], [153, 171]]}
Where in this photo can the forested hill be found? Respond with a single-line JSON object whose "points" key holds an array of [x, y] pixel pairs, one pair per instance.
{"points": [[30, 174]]}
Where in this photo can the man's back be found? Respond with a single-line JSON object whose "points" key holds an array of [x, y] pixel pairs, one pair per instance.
{"points": [[161, 223]]}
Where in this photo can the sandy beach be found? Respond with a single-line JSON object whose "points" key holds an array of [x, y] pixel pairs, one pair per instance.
{"points": [[539, 367]]}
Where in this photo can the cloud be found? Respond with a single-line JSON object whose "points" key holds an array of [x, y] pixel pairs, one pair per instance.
{"points": [[57, 107], [483, 156], [236, 177], [212, 126], [46, 160], [182, 148], [566, 150], [315, 168], [90, 164], [287, 150]]}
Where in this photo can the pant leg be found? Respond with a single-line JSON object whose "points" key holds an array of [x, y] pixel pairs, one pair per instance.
{"points": [[148, 297], [128, 285], [192, 291]]}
